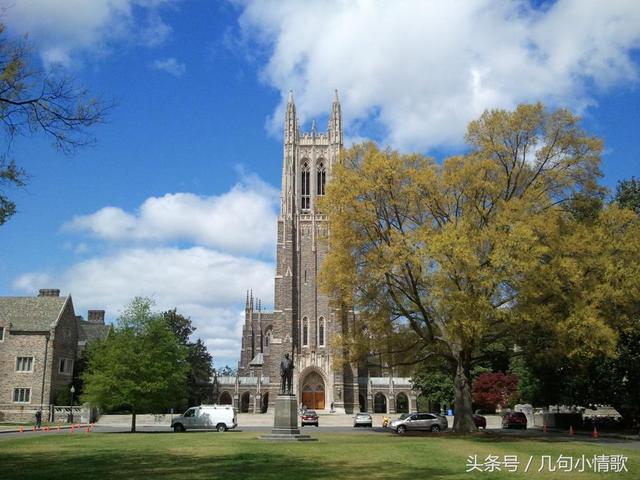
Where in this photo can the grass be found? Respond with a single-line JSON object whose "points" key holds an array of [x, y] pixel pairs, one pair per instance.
{"points": [[240, 455]]}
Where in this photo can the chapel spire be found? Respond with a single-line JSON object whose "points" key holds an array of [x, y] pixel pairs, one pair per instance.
{"points": [[335, 121], [290, 121]]}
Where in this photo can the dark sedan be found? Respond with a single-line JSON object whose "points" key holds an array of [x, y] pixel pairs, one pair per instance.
{"points": [[309, 417], [514, 420], [480, 421]]}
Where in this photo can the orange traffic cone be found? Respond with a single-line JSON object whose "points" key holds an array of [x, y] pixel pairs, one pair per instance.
{"points": [[571, 431], [595, 433]]}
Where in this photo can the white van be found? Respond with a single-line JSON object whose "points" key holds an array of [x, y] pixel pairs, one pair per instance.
{"points": [[206, 417]]}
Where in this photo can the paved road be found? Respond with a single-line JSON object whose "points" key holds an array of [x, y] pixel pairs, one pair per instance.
{"points": [[497, 433]]}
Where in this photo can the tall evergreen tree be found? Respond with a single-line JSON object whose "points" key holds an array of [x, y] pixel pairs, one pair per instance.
{"points": [[200, 388]]}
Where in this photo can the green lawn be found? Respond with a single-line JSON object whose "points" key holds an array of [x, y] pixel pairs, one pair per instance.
{"points": [[241, 455]]}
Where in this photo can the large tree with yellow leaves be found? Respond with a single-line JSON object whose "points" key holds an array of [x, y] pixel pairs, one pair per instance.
{"points": [[440, 260]]}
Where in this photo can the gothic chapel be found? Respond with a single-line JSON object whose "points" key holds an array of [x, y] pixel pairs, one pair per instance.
{"points": [[302, 322]]}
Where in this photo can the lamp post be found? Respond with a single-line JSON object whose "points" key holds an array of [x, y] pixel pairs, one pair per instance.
{"points": [[72, 390]]}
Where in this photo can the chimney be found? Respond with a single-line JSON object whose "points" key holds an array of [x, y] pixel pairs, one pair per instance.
{"points": [[96, 316], [49, 292]]}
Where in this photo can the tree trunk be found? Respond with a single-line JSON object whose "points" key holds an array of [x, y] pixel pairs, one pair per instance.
{"points": [[133, 420], [463, 413]]}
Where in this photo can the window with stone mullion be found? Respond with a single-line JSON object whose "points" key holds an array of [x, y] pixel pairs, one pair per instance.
{"points": [[305, 187], [321, 177], [321, 332], [305, 332]]}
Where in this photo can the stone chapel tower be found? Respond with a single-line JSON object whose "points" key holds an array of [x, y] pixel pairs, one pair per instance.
{"points": [[302, 322]]}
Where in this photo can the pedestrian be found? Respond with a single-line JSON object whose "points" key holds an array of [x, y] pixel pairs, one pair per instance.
{"points": [[38, 419]]}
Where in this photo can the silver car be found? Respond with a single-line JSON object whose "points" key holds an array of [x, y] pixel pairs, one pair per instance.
{"points": [[362, 420], [432, 422]]}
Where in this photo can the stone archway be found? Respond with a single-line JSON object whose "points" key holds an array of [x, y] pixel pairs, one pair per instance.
{"points": [[362, 402], [379, 403], [402, 403], [226, 398], [244, 402], [313, 391]]}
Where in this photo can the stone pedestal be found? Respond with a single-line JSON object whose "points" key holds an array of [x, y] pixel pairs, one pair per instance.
{"points": [[285, 424]]}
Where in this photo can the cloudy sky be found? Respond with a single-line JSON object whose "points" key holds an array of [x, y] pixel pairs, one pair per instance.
{"points": [[178, 199]]}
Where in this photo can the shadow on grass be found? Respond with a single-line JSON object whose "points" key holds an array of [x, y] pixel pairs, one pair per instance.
{"points": [[132, 464]]}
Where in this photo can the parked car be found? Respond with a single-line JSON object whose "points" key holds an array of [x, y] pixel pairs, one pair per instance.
{"points": [[309, 417], [433, 422], [514, 420], [206, 417], [480, 421], [362, 420]]}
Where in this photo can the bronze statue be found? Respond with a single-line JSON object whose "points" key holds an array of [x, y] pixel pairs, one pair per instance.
{"points": [[286, 374]]}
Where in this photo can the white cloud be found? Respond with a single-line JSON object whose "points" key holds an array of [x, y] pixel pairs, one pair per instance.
{"points": [[155, 32], [205, 280], [63, 28], [240, 220], [170, 65], [204, 284], [420, 71]]}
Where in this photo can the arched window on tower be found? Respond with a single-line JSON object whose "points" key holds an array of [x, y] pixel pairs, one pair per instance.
{"points": [[321, 331], [321, 178], [305, 332], [305, 186]]}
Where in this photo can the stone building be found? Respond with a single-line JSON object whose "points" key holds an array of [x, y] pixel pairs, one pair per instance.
{"points": [[40, 340], [303, 322]]}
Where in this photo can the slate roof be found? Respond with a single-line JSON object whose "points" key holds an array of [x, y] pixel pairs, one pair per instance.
{"points": [[30, 314], [88, 332]]}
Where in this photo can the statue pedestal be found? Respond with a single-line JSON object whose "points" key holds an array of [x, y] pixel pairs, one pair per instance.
{"points": [[285, 424]]}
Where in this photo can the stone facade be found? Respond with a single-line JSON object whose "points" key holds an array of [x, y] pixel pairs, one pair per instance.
{"points": [[39, 344], [303, 322]]}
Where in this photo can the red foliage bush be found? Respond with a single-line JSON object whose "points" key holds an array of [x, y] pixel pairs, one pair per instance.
{"points": [[495, 389]]}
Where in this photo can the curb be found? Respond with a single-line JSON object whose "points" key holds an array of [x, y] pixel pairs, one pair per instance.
{"points": [[29, 430]]}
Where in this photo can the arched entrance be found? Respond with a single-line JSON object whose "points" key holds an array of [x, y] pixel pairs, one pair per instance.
{"points": [[265, 403], [225, 398], [244, 402], [313, 392], [379, 403], [402, 403], [363, 403]]}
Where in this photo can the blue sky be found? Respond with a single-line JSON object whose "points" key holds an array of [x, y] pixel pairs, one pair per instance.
{"points": [[178, 198]]}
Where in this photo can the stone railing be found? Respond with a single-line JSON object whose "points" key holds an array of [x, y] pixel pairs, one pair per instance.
{"points": [[61, 413]]}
